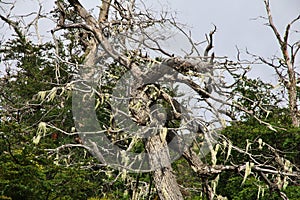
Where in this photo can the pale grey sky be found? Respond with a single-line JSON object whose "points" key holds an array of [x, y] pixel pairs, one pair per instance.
{"points": [[233, 18], [236, 25]]}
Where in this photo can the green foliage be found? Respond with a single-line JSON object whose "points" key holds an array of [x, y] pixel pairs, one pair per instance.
{"points": [[242, 133], [255, 95], [36, 88], [27, 170], [187, 178], [252, 189], [249, 190], [27, 173], [286, 140]]}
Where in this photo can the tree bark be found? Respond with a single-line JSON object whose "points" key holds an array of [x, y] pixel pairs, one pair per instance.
{"points": [[290, 82], [163, 178], [104, 10], [292, 93]]}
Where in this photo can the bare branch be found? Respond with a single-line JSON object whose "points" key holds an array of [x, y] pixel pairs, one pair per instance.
{"points": [[15, 26], [271, 23], [210, 41], [104, 9]]}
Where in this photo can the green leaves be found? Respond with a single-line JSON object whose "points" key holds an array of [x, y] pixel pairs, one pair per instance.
{"points": [[256, 96]]}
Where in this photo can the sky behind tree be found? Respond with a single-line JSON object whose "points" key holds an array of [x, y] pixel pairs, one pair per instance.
{"points": [[239, 23]]}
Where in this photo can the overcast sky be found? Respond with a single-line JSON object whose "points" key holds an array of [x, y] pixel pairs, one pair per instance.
{"points": [[234, 20], [236, 24]]}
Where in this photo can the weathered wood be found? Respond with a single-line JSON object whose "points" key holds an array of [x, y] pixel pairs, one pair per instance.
{"points": [[163, 178], [104, 10]]}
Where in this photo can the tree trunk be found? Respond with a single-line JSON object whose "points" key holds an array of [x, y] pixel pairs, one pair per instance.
{"points": [[288, 59], [292, 92], [163, 178]]}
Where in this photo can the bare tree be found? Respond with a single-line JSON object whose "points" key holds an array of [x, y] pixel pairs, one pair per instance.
{"points": [[285, 66], [128, 37]]}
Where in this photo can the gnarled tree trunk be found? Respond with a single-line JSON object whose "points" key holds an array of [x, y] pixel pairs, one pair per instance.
{"points": [[165, 181], [163, 178]]}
